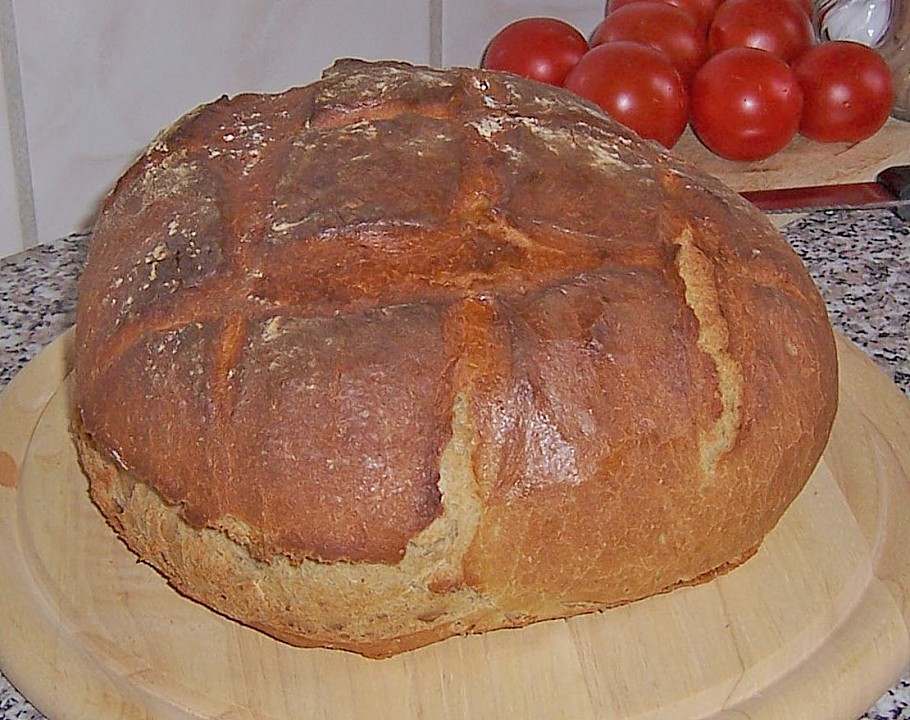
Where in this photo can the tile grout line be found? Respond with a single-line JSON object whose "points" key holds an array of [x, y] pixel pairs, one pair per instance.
{"points": [[12, 86], [435, 32]]}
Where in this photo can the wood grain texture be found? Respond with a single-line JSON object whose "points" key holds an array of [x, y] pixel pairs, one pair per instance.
{"points": [[814, 626]]}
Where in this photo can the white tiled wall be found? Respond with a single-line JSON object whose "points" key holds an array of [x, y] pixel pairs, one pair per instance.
{"points": [[99, 78], [17, 223], [9, 210]]}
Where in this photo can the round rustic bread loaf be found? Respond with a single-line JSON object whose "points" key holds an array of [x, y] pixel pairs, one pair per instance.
{"points": [[410, 353]]}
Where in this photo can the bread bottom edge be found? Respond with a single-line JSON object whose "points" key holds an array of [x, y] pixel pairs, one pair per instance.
{"points": [[207, 567]]}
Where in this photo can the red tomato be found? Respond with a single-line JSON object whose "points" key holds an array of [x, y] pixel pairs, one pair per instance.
{"points": [[778, 26], [666, 28], [543, 49], [702, 10], [746, 104], [848, 91], [635, 84]]}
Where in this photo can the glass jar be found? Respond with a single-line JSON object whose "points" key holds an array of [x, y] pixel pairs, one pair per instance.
{"points": [[895, 48], [865, 21]]}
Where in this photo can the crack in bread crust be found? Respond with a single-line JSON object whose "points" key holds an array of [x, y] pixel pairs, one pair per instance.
{"points": [[697, 273]]}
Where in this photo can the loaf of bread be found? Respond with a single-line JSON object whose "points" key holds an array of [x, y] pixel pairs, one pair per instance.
{"points": [[411, 353]]}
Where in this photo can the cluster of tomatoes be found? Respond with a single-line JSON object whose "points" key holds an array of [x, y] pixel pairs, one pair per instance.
{"points": [[747, 75]]}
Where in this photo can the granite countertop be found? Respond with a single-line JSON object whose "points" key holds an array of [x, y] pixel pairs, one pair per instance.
{"points": [[860, 261]]}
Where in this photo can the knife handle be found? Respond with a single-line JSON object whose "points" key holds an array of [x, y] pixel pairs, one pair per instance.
{"points": [[896, 180]]}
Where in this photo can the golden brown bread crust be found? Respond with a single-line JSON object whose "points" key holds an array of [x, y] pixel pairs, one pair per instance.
{"points": [[409, 353]]}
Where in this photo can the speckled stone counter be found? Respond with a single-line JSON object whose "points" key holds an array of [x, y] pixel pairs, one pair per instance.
{"points": [[861, 262]]}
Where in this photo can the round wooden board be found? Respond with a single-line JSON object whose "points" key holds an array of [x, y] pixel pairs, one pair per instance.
{"points": [[813, 626]]}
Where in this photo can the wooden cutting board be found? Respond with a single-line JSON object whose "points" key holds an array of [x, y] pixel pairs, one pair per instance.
{"points": [[804, 162], [813, 627]]}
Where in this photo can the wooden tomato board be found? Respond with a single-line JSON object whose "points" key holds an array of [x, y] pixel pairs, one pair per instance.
{"points": [[805, 162], [813, 626]]}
